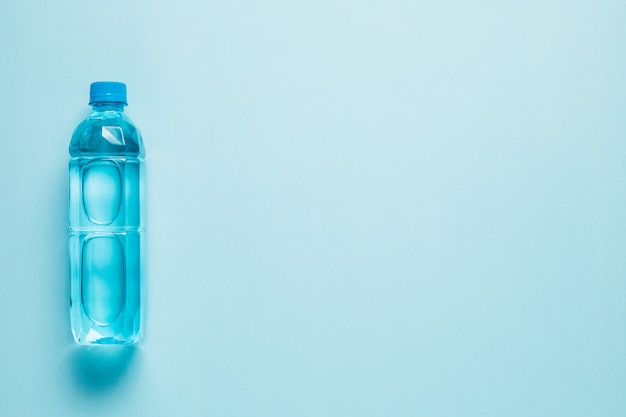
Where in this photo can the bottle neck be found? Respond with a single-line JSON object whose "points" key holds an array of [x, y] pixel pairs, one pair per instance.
{"points": [[108, 106]]}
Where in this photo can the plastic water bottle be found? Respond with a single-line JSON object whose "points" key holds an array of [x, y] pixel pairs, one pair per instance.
{"points": [[106, 221]]}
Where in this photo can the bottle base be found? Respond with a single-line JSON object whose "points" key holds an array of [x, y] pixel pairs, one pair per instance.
{"points": [[94, 338]]}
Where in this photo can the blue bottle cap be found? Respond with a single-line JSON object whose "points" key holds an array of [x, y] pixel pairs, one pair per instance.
{"points": [[107, 92]]}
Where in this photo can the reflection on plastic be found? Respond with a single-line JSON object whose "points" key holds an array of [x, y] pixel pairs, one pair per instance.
{"points": [[114, 135], [100, 369]]}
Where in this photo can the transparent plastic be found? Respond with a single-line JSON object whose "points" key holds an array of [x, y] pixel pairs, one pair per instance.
{"points": [[107, 230]]}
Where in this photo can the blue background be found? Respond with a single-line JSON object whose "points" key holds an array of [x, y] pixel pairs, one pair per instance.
{"points": [[356, 208]]}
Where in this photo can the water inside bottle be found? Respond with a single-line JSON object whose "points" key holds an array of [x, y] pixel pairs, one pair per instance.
{"points": [[106, 236]]}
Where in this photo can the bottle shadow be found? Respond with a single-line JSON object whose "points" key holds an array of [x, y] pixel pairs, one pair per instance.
{"points": [[99, 369]]}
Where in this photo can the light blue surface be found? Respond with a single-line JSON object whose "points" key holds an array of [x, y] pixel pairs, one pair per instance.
{"points": [[377, 208]]}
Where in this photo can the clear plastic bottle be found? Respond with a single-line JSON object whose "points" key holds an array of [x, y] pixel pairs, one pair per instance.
{"points": [[106, 221]]}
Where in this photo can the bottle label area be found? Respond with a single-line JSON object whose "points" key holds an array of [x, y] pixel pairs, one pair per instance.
{"points": [[102, 191], [103, 278], [106, 244]]}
